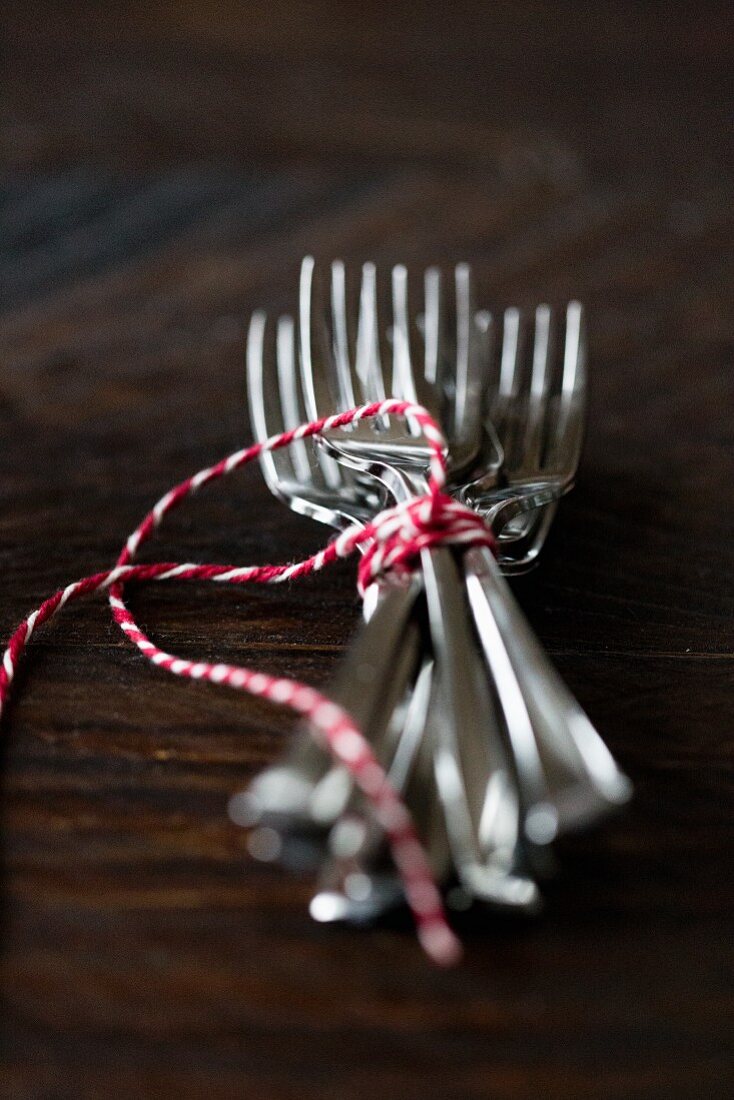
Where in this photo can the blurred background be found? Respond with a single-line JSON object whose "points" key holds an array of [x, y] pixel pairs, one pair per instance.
{"points": [[165, 165], [560, 126], [170, 162]]}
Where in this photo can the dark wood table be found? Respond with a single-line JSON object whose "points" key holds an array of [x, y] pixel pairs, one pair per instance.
{"points": [[166, 166]]}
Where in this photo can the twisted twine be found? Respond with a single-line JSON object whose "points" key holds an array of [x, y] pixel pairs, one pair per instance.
{"points": [[393, 540]]}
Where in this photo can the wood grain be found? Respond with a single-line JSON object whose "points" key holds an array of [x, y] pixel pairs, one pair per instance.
{"points": [[165, 167]]}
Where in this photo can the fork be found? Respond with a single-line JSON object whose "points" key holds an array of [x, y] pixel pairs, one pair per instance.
{"points": [[500, 504], [313, 485], [473, 768], [359, 860], [541, 434], [302, 794], [567, 775], [287, 796]]}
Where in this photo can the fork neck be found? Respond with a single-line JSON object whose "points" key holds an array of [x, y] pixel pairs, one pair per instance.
{"points": [[402, 484]]}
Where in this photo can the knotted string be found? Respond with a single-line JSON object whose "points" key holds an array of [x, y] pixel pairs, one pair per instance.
{"points": [[393, 540], [401, 533]]}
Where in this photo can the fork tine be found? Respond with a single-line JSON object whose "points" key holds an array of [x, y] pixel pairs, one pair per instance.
{"points": [[511, 347], [537, 400], [541, 352], [368, 365], [340, 335], [575, 349], [566, 433], [464, 320], [317, 393], [403, 382], [433, 325], [408, 383], [264, 401], [314, 391], [471, 360], [504, 404], [484, 327], [289, 397]]}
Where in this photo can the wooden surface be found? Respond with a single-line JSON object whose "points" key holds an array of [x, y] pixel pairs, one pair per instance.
{"points": [[166, 165]]}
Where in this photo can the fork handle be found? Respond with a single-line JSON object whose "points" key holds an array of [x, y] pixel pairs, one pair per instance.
{"points": [[458, 732], [569, 771], [473, 769], [306, 791], [357, 849]]}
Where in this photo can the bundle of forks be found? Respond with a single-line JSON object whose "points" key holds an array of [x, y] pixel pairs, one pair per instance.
{"points": [[475, 729]]}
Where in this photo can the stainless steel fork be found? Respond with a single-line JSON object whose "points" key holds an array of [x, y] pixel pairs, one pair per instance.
{"points": [[287, 796], [567, 776], [473, 769], [303, 794], [540, 429], [363, 858]]}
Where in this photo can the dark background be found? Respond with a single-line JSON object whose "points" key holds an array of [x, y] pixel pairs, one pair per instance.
{"points": [[165, 167]]}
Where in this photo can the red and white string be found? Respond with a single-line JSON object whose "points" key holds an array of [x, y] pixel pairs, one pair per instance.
{"points": [[393, 540]]}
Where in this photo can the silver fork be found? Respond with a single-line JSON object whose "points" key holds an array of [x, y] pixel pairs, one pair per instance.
{"points": [[288, 786], [541, 430], [526, 490], [567, 775], [303, 793], [359, 860], [286, 797], [473, 769]]}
